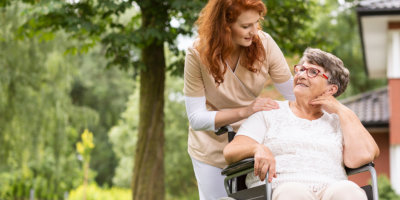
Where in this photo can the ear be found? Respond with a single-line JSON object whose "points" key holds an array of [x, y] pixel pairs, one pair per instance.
{"points": [[332, 89]]}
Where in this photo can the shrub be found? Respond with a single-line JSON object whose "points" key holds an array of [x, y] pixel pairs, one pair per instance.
{"points": [[386, 191], [94, 192]]}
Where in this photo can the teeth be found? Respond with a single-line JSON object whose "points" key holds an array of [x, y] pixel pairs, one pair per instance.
{"points": [[301, 84]]}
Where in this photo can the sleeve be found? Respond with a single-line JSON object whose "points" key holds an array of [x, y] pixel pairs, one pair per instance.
{"points": [[286, 89], [193, 81], [278, 68], [254, 127], [199, 117]]}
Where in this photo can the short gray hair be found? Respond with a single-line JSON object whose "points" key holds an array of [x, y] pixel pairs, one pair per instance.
{"points": [[338, 74]]}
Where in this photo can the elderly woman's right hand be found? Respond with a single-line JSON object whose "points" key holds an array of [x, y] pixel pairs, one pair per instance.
{"points": [[264, 161], [261, 104]]}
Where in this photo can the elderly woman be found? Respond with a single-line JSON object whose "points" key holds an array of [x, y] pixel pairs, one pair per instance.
{"points": [[305, 144]]}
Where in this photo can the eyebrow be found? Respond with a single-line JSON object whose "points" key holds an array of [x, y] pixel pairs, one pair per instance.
{"points": [[251, 23]]}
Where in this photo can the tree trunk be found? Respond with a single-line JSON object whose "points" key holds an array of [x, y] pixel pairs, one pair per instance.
{"points": [[148, 173]]}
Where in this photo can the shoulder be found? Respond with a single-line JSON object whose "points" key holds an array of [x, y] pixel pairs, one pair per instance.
{"points": [[192, 48], [263, 35], [192, 58], [265, 38], [332, 117], [276, 113], [332, 120]]}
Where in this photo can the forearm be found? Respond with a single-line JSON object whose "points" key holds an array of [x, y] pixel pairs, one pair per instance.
{"points": [[230, 116], [359, 146], [240, 148], [202, 119]]}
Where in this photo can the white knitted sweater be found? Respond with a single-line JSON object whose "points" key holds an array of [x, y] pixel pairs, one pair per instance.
{"points": [[305, 151]]}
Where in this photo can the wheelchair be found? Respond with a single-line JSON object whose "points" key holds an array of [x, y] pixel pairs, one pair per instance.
{"points": [[236, 174]]}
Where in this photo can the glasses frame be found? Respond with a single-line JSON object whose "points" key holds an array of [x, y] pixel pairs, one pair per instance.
{"points": [[307, 68]]}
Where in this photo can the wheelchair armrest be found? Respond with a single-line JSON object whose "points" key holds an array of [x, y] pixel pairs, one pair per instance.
{"points": [[366, 167], [374, 180], [238, 166]]}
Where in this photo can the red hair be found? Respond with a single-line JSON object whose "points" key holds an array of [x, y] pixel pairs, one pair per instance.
{"points": [[215, 36]]}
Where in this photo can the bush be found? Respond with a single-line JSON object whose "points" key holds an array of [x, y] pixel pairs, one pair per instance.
{"points": [[386, 191], [94, 192]]}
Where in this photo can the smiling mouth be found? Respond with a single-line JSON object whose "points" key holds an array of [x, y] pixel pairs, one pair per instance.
{"points": [[301, 84]]}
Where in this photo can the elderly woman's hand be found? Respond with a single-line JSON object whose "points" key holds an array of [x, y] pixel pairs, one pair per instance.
{"points": [[260, 104], [328, 103], [264, 161]]}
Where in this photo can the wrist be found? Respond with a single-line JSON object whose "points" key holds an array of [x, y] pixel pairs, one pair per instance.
{"points": [[243, 113], [257, 147]]}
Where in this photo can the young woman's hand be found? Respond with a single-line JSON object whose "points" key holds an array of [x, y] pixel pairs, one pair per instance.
{"points": [[264, 162], [260, 104]]}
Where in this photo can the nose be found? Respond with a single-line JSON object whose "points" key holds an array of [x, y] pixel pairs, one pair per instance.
{"points": [[254, 29]]}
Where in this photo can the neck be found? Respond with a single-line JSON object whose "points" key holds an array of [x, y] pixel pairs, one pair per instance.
{"points": [[303, 109], [234, 57]]}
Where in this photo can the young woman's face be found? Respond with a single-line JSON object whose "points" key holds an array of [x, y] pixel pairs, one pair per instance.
{"points": [[245, 27]]}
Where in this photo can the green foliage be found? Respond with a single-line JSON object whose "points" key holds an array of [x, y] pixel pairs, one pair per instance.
{"points": [[100, 21], [106, 91], [39, 123], [94, 192], [385, 189], [46, 98], [288, 22], [123, 136], [386, 192]]}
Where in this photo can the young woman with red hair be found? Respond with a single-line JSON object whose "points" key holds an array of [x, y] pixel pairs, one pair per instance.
{"points": [[225, 71]]}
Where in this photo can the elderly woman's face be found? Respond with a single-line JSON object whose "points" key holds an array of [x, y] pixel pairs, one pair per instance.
{"points": [[245, 27], [307, 80]]}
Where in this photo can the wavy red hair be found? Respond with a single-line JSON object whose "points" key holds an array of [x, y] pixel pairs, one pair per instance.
{"points": [[216, 39]]}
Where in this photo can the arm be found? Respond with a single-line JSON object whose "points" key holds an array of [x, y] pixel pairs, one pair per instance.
{"points": [[244, 147], [286, 89], [199, 117], [248, 143], [202, 119], [359, 147], [230, 116]]}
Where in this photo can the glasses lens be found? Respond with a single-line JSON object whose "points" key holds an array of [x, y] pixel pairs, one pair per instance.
{"points": [[298, 69], [312, 72]]}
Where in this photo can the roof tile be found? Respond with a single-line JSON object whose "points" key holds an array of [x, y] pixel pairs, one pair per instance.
{"points": [[380, 4], [372, 108]]}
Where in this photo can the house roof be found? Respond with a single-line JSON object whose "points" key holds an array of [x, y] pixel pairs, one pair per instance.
{"points": [[372, 108], [378, 6]]}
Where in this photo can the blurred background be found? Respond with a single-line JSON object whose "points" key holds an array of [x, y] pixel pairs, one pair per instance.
{"points": [[75, 76]]}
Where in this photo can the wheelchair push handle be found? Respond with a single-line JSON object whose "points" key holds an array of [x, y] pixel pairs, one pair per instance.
{"points": [[224, 129]]}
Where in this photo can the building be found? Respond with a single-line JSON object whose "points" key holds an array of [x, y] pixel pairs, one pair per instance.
{"points": [[379, 22]]}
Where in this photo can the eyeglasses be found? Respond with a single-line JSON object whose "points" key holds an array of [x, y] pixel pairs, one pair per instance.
{"points": [[311, 71]]}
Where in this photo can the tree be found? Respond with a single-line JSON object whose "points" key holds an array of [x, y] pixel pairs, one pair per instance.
{"points": [[149, 30]]}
